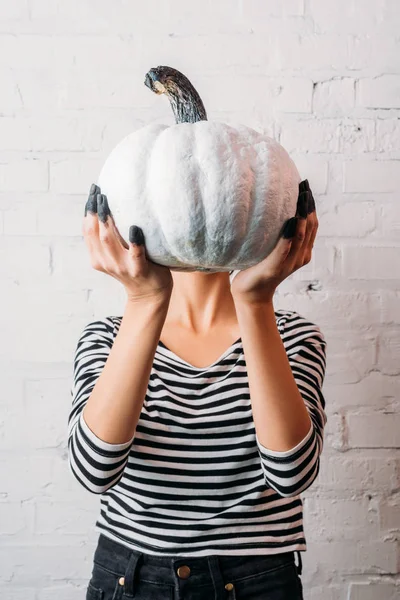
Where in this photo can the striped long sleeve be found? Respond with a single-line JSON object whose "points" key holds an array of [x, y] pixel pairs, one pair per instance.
{"points": [[294, 470], [96, 464]]}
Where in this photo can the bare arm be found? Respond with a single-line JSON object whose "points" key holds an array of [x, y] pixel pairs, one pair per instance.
{"points": [[110, 383], [285, 381], [113, 409]]}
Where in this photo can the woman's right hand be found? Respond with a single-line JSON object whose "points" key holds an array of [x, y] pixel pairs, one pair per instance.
{"points": [[111, 254]]}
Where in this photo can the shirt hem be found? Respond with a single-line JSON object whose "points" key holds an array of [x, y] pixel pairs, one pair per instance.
{"points": [[296, 546]]}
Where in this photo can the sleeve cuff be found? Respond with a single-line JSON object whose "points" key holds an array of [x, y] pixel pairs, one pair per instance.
{"points": [[99, 443], [287, 453]]}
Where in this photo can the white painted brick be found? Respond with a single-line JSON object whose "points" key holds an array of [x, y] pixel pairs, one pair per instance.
{"points": [[351, 355], [353, 219], [328, 591], [66, 518], [14, 11], [351, 557], [74, 175], [332, 310], [388, 352], [94, 89], [30, 175], [294, 95], [366, 471], [334, 97], [382, 91], [374, 430], [244, 50], [389, 513], [31, 563], [50, 134], [293, 51], [390, 306], [45, 411], [371, 175], [95, 16], [18, 593], [375, 390], [35, 474], [35, 51], [330, 135], [373, 53], [377, 262], [64, 591], [10, 97], [45, 214], [39, 90], [387, 135], [374, 591], [257, 9], [330, 519], [345, 16], [16, 519], [35, 263], [389, 221], [334, 434], [62, 214], [314, 168], [20, 219]]}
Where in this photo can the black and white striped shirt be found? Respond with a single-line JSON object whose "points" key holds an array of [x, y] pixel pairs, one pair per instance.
{"points": [[195, 479]]}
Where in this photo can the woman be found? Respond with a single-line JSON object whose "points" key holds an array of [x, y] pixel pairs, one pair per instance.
{"points": [[198, 417]]}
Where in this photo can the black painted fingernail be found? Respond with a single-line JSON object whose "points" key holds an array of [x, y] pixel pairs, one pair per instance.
{"points": [[136, 235], [94, 189], [103, 208], [91, 205], [304, 186], [311, 203], [290, 228], [302, 205]]}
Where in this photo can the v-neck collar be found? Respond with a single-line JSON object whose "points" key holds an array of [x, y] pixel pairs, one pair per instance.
{"points": [[185, 362]]}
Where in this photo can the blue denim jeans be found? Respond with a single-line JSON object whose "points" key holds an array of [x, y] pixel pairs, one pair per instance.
{"points": [[120, 573]]}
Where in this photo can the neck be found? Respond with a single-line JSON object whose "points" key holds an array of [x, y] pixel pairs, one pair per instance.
{"points": [[199, 302]]}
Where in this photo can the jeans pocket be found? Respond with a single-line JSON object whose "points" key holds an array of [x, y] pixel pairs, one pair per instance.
{"points": [[279, 583], [104, 584], [94, 593]]}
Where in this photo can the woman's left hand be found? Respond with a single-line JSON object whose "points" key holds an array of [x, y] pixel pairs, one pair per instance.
{"points": [[257, 284]]}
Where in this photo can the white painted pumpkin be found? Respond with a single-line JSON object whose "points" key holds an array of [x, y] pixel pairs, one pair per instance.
{"points": [[208, 196]]}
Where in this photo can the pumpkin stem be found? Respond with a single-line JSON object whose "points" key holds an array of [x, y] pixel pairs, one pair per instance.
{"points": [[184, 99]]}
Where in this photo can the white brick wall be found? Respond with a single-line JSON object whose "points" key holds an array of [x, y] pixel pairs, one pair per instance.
{"points": [[323, 77]]}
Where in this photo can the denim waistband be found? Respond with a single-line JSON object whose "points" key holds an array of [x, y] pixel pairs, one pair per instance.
{"points": [[124, 561]]}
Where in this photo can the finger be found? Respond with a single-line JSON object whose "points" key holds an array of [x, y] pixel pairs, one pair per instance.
{"points": [[106, 216], [300, 234], [137, 247], [312, 227], [298, 241], [91, 233], [113, 251], [94, 190]]}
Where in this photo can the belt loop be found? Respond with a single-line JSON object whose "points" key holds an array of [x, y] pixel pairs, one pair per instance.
{"points": [[129, 583], [300, 565], [216, 576]]}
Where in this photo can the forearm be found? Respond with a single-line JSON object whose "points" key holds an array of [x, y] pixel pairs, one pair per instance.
{"points": [[114, 406], [280, 416], [110, 381]]}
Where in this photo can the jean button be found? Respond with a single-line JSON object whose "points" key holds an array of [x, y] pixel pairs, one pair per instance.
{"points": [[229, 587], [121, 580], [183, 572]]}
